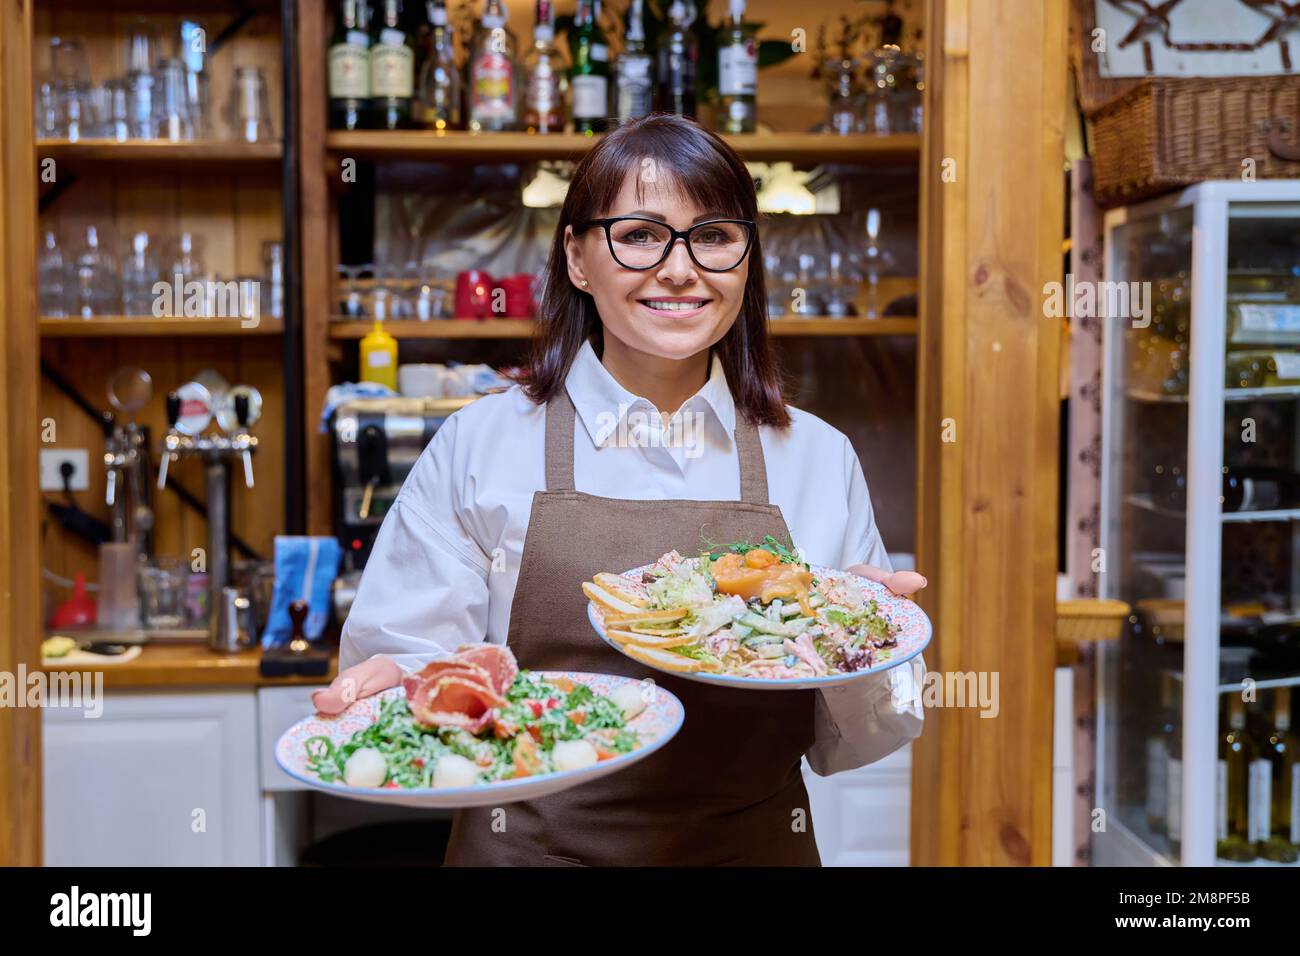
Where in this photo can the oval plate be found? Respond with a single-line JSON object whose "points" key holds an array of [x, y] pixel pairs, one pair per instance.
{"points": [[656, 725], [913, 624]]}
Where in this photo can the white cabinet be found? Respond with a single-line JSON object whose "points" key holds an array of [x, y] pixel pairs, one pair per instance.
{"points": [[159, 779], [863, 817]]}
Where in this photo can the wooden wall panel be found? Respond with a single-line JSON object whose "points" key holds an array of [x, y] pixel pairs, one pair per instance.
{"points": [[989, 360], [20, 727]]}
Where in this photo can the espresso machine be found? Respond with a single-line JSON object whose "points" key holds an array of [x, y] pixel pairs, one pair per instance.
{"points": [[376, 444]]}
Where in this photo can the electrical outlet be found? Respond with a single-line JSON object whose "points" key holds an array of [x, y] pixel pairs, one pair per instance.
{"points": [[53, 458]]}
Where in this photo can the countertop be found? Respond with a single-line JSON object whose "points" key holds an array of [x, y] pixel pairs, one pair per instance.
{"points": [[190, 665]]}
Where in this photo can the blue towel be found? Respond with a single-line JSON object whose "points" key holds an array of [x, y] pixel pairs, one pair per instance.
{"points": [[305, 568]]}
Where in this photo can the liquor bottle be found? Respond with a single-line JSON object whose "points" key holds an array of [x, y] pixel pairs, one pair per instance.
{"points": [[349, 67], [544, 72], [678, 52], [589, 75], [493, 90], [392, 69], [438, 103], [635, 88], [738, 71], [1238, 803], [1282, 748], [1158, 756]]}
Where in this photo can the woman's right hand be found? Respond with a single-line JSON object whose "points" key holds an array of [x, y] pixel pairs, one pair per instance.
{"points": [[358, 681]]}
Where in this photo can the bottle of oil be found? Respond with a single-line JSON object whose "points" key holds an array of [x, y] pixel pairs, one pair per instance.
{"points": [[1236, 812]]}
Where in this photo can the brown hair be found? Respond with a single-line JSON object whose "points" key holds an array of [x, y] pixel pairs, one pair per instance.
{"points": [[709, 172]]}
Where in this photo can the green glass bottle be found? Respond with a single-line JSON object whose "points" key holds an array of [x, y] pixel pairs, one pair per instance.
{"points": [[589, 76], [392, 69]]}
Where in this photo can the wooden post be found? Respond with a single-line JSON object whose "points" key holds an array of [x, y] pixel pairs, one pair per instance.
{"points": [[992, 222], [20, 586]]}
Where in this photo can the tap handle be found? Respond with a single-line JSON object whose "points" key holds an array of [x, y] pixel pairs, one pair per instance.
{"points": [[173, 409], [241, 410], [298, 617], [162, 469], [248, 467], [110, 487]]}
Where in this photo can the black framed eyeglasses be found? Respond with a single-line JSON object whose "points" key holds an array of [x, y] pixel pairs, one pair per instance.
{"points": [[718, 245]]}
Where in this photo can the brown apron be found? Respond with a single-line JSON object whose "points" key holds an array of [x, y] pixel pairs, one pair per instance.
{"points": [[727, 789]]}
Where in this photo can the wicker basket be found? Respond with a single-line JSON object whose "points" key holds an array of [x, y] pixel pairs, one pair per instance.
{"points": [[1165, 134]]}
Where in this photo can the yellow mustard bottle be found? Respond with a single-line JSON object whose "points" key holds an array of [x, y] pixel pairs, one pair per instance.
{"points": [[379, 357]]}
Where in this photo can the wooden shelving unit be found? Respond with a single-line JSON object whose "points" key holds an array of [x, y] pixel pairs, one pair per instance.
{"points": [[135, 326], [158, 152], [512, 147], [524, 328]]}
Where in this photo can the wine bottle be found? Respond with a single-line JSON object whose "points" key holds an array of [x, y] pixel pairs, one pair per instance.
{"points": [[589, 75], [438, 103], [349, 67], [1281, 747], [543, 91], [738, 71], [493, 89], [678, 52], [1238, 802], [1259, 488], [392, 69], [635, 89], [1157, 753]]}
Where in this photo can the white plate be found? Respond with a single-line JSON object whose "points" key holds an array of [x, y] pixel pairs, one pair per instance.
{"points": [[913, 635], [656, 725]]}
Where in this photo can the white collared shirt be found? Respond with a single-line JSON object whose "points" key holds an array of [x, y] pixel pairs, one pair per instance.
{"points": [[445, 561]]}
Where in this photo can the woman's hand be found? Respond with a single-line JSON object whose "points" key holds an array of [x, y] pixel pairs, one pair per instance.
{"points": [[901, 583], [360, 680]]}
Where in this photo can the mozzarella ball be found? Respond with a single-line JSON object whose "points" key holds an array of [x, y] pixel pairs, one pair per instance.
{"points": [[453, 770], [631, 698], [365, 768], [573, 755]]}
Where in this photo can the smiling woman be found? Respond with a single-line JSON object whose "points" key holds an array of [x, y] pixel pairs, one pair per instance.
{"points": [[619, 275]]}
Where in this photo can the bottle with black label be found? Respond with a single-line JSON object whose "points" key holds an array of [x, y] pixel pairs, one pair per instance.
{"points": [[589, 76], [633, 70], [738, 72], [678, 53], [392, 69], [349, 67]]}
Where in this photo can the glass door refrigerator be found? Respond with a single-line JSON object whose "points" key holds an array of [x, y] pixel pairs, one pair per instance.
{"points": [[1200, 515]]}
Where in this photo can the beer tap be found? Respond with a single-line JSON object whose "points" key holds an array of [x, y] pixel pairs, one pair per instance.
{"points": [[126, 459], [190, 409]]}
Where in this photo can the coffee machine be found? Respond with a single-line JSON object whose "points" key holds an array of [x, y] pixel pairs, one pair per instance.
{"points": [[376, 444]]}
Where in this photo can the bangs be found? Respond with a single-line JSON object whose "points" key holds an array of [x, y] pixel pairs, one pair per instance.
{"points": [[666, 159]]}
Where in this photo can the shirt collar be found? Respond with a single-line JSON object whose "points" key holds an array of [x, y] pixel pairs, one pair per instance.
{"points": [[601, 402]]}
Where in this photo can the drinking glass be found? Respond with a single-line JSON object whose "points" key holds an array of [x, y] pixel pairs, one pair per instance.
{"points": [[249, 107], [141, 43], [845, 93], [69, 81], [273, 276], [351, 303], [192, 50], [95, 286], [162, 592], [52, 272], [170, 102], [139, 274]]}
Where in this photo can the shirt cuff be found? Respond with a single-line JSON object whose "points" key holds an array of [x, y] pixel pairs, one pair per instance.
{"points": [[867, 720]]}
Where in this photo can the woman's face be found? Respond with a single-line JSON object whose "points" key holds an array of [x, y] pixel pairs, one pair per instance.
{"points": [[674, 310]]}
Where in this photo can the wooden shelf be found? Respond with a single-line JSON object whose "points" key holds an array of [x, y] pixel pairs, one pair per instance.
{"points": [[524, 328], [113, 326], [511, 147], [159, 151]]}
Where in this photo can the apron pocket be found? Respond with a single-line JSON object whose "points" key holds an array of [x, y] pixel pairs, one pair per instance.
{"points": [[549, 860]]}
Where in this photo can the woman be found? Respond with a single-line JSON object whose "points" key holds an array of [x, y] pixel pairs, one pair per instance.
{"points": [[650, 418]]}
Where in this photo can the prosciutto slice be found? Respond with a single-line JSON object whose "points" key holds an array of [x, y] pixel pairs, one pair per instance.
{"points": [[495, 659], [462, 691]]}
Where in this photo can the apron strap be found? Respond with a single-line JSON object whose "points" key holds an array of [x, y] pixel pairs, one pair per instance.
{"points": [[560, 421]]}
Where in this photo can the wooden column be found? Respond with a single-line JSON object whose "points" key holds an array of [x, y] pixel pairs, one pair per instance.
{"points": [[20, 591], [992, 222]]}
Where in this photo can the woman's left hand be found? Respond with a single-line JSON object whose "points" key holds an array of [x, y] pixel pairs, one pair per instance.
{"points": [[900, 583]]}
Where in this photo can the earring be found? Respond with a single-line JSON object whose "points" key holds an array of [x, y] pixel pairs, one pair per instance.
{"points": [[584, 283]]}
